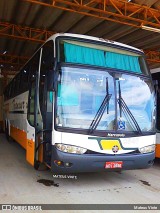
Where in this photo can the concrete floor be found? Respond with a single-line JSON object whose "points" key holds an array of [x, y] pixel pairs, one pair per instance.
{"points": [[19, 183]]}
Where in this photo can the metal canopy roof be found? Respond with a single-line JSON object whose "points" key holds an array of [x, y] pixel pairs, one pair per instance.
{"points": [[26, 24]]}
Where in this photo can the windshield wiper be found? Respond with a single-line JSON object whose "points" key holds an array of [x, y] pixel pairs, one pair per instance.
{"points": [[101, 110], [123, 105]]}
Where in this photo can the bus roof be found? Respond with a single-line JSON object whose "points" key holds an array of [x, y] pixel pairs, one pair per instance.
{"points": [[106, 41]]}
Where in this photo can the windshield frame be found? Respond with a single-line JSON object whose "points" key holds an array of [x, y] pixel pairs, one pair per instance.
{"points": [[96, 132], [147, 76]]}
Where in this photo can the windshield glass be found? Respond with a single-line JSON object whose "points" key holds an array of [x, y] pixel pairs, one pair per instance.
{"points": [[80, 95], [137, 101], [94, 99]]}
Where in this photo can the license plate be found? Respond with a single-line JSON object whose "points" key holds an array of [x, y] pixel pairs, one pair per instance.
{"points": [[114, 165]]}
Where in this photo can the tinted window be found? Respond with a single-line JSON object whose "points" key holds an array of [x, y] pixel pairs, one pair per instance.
{"points": [[32, 86], [24, 78], [17, 83]]}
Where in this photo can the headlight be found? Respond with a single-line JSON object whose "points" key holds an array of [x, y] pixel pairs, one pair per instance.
{"points": [[70, 148], [147, 149]]}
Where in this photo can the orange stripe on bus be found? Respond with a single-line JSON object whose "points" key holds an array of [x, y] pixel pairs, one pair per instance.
{"points": [[30, 151], [19, 135], [157, 150], [29, 145]]}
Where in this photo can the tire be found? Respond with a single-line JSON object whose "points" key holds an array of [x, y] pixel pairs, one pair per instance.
{"points": [[40, 166], [36, 165]]}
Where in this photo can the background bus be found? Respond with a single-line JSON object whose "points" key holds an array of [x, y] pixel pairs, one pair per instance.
{"points": [[83, 104], [156, 80]]}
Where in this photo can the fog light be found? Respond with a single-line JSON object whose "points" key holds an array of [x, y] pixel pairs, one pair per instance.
{"points": [[68, 164]]}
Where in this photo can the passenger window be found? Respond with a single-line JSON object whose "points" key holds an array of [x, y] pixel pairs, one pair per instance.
{"points": [[32, 86], [17, 84], [47, 61], [12, 88]]}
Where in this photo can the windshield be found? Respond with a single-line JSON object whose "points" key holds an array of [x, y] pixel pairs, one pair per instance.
{"points": [[80, 95], [90, 99], [137, 101]]}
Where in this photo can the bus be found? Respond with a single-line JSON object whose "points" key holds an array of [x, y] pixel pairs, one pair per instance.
{"points": [[156, 81], [83, 104]]}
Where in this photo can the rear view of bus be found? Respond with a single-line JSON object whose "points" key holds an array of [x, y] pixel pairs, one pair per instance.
{"points": [[90, 106]]}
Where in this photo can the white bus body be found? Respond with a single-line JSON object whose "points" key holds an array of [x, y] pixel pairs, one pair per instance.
{"points": [[83, 104]]}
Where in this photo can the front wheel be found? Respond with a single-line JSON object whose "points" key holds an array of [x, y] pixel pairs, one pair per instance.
{"points": [[40, 166], [36, 165]]}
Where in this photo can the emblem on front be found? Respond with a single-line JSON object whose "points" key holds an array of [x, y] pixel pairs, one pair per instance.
{"points": [[115, 149]]}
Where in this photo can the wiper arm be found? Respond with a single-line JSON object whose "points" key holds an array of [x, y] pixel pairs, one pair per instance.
{"points": [[101, 110], [99, 113], [123, 105]]}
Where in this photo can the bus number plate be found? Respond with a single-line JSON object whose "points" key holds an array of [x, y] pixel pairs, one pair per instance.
{"points": [[114, 165]]}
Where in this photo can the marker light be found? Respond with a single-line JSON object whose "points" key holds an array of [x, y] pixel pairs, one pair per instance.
{"points": [[70, 148], [59, 163], [147, 149]]}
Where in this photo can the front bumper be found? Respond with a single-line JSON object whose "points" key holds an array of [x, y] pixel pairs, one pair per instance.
{"points": [[96, 162]]}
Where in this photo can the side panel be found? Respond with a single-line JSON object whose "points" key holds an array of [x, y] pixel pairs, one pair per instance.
{"points": [[158, 145], [30, 144], [25, 112], [15, 115], [30, 149], [19, 135]]}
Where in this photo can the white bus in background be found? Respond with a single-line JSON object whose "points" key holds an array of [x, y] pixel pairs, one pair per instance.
{"points": [[83, 104], [156, 80]]}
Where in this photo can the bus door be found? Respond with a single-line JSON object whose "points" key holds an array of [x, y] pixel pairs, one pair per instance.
{"points": [[33, 114], [40, 108], [45, 104]]}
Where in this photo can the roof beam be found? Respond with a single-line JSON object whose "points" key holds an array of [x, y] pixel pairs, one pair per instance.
{"points": [[40, 36], [7, 72], [120, 11], [11, 62], [12, 59], [152, 56], [24, 33]]}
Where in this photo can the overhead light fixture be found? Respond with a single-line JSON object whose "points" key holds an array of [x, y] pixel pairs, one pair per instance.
{"points": [[150, 29]]}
